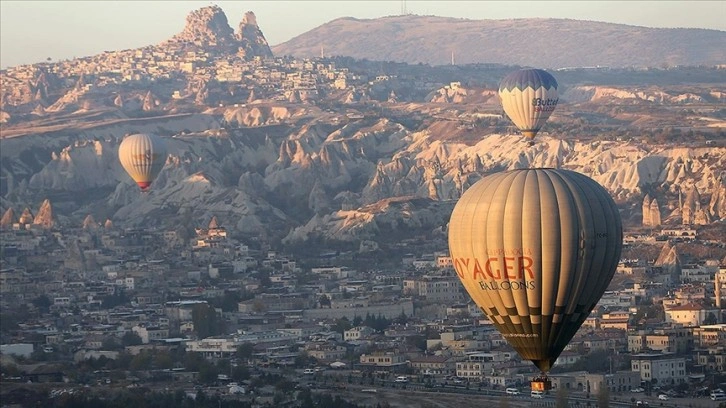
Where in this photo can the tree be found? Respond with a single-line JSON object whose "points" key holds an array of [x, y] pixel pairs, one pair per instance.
{"points": [[341, 325], [205, 321], [561, 398], [324, 301], [710, 319], [603, 396], [245, 351], [43, 303], [130, 338]]}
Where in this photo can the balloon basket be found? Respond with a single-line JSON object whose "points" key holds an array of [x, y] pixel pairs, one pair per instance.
{"points": [[540, 384]]}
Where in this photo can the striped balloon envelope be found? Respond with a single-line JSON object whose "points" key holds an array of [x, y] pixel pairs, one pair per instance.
{"points": [[529, 97], [142, 156], [536, 249]]}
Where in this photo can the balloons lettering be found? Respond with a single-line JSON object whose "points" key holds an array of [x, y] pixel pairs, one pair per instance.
{"points": [[536, 249]]}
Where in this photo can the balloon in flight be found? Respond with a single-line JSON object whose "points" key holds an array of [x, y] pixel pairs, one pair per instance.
{"points": [[535, 249], [528, 96], [142, 156]]}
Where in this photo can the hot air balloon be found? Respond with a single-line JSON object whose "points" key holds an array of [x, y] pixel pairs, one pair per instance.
{"points": [[535, 249], [142, 156], [528, 96]]}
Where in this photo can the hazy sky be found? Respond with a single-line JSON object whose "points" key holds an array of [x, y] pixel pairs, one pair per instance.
{"points": [[31, 31]]}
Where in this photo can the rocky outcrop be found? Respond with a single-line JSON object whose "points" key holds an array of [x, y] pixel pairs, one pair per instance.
{"points": [[26, 218], [89, 223], [44, 219], [651, 212], [8, 219], [209, 28], [252, 42]]}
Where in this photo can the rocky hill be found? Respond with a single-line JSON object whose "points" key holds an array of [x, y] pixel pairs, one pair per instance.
{"points": [[548, 43]]}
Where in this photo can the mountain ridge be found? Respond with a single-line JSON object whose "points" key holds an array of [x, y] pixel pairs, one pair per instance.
{"points": [[568, 42]]}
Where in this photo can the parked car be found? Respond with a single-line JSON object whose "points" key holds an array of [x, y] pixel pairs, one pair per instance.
{"points": [[512, 391], [663, 397]]}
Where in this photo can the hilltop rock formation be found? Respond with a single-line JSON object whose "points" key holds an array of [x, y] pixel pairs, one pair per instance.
{"points": [[252, 41], [209, 28]]}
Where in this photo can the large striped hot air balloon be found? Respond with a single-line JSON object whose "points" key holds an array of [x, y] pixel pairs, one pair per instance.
{"points": [[535, 249], [142, 156], [528, 96]]}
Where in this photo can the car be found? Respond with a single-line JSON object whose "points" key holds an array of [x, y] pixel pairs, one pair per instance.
{"points": [[536, 394], [401, 379], [309, 371], [639, 389], [512, 391], [663, 397]]}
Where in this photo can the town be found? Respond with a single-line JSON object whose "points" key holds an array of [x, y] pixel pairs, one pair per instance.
{"points": [[98, 305]]}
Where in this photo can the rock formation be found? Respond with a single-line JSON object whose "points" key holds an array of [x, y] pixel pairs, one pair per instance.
{"points": [[252, 41], [651, 212], [44, 218], [209, 28], [8, 219], [26, 217], [89, 223], [692, 212]]}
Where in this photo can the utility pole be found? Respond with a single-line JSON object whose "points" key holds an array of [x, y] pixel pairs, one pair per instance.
{"points": [[403, 7]]}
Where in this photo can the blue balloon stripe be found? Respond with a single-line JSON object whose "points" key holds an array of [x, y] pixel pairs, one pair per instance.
{"points": [[528, 78]]}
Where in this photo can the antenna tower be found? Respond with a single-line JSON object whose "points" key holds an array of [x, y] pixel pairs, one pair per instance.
{"points": [[403, 7]]}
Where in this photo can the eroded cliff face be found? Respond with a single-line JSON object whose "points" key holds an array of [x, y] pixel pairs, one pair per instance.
{"points": [[284, 172]]}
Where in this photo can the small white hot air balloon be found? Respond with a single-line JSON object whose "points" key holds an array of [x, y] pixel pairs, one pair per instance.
{"points": [[142, 156], [529, 96]]}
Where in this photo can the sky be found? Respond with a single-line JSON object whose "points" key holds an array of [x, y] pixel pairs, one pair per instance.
{"points": [[32, 31]]}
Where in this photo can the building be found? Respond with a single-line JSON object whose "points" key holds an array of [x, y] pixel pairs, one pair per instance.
{"points": [[433, 365], [435, 288], [659, 368], [357, 333], [384, 359], [691, 314], [620, 381]]}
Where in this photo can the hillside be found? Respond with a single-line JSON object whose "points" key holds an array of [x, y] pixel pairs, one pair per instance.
{"points": [[550, 43]]}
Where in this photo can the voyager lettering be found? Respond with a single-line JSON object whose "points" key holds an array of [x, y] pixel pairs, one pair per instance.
{"points": [[496, 268]]}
